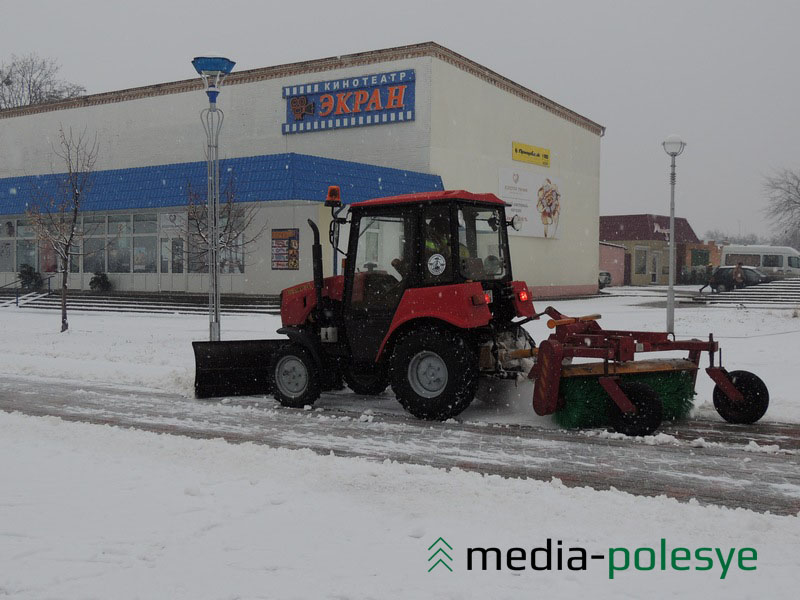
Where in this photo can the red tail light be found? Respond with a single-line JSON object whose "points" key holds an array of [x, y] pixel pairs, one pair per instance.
{"points": [[523, 296], [487, 298]]}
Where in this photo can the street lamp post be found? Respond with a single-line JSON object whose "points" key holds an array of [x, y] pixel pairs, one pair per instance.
{"points": [[213, 70], [673, 146]]}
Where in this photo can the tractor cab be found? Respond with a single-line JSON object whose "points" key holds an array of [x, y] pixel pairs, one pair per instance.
{"points": [[422, 246], [425, 240]]}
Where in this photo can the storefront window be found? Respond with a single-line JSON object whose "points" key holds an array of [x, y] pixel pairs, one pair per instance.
{"points": [[640, 259], [700, 258], [74, 259], [165, 255], [8, 229], [177, 256], [144, 254], [198, 255], [25, 229], [26, 253], [48, 259], [145, 223], [171, 255], [119, 225], [94, 225], [232, 258], [94, 255], [6, 256], [119, 255]]}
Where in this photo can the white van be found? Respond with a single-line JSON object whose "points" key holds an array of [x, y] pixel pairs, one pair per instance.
{"points": [[772, 259]]}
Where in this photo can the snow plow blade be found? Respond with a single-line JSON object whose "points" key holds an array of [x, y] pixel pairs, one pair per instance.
{"points": [[235, 368]]}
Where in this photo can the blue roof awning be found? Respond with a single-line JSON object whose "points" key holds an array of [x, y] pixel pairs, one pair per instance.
{"points": [[264, 178]]}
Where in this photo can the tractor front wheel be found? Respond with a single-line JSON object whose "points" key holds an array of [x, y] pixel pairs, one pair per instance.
{"points": [[297, 380], [434, 373], [649, 410], [756, 399]]}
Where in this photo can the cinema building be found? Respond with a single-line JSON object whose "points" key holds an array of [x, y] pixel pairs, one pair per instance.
{"points": [[380, 123]]}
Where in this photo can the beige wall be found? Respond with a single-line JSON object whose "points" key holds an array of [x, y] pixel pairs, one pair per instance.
{"points": [[473, 126], [167, 129]]}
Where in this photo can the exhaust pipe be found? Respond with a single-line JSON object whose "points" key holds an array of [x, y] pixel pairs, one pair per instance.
{"points": [[316, 252]]}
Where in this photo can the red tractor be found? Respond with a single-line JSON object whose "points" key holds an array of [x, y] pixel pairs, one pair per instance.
{"points": [[428, 304]]}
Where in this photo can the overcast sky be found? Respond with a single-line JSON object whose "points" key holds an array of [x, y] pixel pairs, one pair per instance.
{"points": [[724, 75]]}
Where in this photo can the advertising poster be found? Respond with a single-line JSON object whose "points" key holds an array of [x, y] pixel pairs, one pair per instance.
{"points": [[536, 198], [285, 249], [530, 154]]}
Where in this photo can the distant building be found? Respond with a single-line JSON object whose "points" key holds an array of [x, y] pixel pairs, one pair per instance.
{"points": [[612, 259], [646, 242]]}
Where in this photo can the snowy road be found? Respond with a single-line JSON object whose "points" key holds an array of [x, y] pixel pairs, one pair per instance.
{"points": [[756, 467]]}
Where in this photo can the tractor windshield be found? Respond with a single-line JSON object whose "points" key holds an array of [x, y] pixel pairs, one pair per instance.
{"points": [[481, 246]]}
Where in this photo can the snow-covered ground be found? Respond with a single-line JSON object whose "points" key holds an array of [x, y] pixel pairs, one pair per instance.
{"points": [[95, 512], [90, 511]]}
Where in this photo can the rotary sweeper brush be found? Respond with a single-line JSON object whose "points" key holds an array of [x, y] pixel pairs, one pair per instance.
{"points": [[632, 396], [428, 304]]}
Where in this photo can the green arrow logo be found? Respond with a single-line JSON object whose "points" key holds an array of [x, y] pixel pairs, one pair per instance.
{"points": [[438, 549]]}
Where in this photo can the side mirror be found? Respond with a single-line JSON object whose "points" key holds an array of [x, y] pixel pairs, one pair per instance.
{"points": [[515, 223]]}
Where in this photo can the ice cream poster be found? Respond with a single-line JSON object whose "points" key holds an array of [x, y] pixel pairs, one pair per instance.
{"points": [[536, 198]]}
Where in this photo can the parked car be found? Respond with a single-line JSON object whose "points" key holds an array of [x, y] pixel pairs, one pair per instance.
{"points": [[603, 279], [722, 278]]}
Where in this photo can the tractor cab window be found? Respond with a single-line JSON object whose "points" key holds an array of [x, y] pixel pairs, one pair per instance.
{"points": [[379, 277], [481, 248], [437, 260]]}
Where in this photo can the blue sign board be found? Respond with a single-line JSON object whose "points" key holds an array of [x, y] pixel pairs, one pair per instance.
{"points": [[378, 99]]}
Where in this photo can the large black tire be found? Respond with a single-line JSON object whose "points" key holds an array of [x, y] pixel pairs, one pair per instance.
{"points": [[434, 373], [297, 379], [368, 380], [756, 399], [649, 410]]}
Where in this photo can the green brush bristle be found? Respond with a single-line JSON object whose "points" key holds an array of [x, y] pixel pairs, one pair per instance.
{"points": [[586, 403]]}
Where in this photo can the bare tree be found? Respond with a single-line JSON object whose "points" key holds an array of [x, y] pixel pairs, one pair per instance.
{"points": [[235, 219], [721, 236], [782, 190], [30, 79], [54, 211]]}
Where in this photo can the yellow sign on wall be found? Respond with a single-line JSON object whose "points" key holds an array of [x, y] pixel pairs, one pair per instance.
{"points": [[530, 154]]}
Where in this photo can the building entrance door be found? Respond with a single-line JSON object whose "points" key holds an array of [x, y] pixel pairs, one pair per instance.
{"points": [[655, 266], [172, 266]]}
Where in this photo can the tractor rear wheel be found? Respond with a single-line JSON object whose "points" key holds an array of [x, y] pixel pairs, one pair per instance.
{"points": [[368, 380], [756, 399], [649, 411], [297, 381], [434, 373]]}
